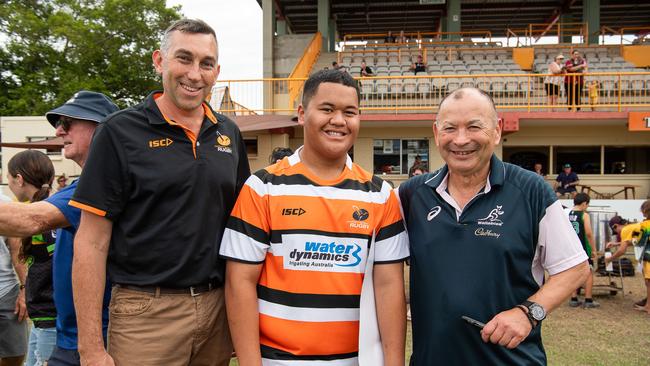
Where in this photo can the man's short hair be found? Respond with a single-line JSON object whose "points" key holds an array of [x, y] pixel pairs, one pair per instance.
{"points": [[581, 198], [460, 93], [185, 25], [327, 76]]}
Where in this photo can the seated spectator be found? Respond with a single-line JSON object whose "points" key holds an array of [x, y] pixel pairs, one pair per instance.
{"points": [[336, 66], [402, 38], [567, 182], [366, 70], [538, 169], [417, 171], [390, 38], [418, 66], [279, 153]]}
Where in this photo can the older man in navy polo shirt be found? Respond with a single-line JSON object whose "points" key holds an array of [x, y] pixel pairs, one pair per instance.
{"points": [[482, 232]]}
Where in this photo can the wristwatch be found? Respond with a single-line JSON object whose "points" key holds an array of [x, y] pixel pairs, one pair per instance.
{"points": [[535, 312]]}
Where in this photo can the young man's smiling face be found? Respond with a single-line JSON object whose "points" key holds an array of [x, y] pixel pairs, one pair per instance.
{"points": [[331, 121]]}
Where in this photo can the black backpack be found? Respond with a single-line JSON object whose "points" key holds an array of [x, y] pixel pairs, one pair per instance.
{"points": [[627, 268]]}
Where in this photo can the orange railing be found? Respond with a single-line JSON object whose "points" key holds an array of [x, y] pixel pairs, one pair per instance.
{"points": [[304, 66], [616, 91], [643, 32]]}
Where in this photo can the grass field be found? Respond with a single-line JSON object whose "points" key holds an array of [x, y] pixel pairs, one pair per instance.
{"points": [[613, 335]]}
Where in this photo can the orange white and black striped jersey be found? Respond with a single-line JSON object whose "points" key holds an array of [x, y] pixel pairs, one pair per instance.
{"points": [[313, 238]]}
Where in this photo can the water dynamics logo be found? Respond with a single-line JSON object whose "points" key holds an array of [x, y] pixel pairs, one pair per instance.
{"points": [[327, 254], [322, 253]]}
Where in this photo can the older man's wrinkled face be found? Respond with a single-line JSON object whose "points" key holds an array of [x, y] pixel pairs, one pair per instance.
{"points": [[466, 133]]}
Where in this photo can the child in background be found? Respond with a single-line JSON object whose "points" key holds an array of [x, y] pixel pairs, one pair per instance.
{"points": [[593, 94]]}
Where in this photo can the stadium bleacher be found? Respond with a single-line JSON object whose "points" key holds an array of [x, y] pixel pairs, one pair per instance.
{"points": [[392, 61]]}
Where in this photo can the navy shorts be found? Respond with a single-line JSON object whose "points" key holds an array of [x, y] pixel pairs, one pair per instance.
{"points": [[64, 357]]}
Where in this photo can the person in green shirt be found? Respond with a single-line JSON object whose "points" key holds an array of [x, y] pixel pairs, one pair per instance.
{"points": [[582, 225]]}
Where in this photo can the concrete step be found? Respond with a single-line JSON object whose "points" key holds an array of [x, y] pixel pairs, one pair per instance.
{"points": [[324, 60]]}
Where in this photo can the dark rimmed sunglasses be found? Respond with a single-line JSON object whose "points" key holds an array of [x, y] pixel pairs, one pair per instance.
{"points": [[63, 123]]}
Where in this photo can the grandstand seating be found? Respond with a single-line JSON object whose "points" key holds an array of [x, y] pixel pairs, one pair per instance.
{"points": [[456, 60]]}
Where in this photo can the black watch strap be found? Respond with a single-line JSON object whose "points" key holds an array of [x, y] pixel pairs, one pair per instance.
{"points": [[528, 315]]}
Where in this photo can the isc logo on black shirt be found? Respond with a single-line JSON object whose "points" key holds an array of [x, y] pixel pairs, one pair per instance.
{"points": [[160, 143]]}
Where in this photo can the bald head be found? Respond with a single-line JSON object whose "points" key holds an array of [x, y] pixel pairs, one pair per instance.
{"points": [[471, 95]]}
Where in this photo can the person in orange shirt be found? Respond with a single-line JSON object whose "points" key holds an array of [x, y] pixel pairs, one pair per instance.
{"points": [[315, 248]]}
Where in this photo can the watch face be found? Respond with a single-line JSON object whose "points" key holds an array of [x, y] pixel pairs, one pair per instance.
{"points": [[537, 312]]}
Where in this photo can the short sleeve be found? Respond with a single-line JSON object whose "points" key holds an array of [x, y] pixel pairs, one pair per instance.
{"points": [[391, 241], [61, 199], [630, 232], [559, 245], [247, 235], [102, 185], [243, 168]]}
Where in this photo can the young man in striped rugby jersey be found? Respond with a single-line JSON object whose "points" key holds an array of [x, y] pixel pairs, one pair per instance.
{"points": [[315, 248]]}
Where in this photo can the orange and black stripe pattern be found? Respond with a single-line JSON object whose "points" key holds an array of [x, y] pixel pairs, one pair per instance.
{"points": [[312, 237]]}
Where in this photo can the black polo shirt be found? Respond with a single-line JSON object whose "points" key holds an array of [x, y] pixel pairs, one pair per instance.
{"points": [[168, 194], [481, 260]]}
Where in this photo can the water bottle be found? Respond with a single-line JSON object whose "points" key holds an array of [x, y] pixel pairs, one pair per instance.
{"points": [[610, 266]]}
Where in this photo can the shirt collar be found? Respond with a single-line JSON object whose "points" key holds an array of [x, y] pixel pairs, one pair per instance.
{"points": [[295, 158], [156, 117], [496, 176]]}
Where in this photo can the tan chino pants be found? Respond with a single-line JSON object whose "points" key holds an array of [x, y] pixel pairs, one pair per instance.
{"points": [[168, 329]]}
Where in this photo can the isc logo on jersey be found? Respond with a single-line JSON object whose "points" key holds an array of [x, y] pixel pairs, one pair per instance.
{"points": [[323, 253]]}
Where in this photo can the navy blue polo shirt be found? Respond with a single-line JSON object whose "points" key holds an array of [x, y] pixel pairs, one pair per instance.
{"points": [[565, 179], [480, 261], [169, 194]]}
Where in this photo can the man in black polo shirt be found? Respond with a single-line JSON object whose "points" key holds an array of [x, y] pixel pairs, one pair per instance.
{"points": [[482, 232], [155, 193]]}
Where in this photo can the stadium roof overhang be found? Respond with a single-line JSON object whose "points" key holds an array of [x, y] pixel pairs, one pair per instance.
{"points": [[367, 16]]}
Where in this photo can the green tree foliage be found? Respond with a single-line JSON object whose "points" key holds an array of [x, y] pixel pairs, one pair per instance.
{"points": [[49, 49]]}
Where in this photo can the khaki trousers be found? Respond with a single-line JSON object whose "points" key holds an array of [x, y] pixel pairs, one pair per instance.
{"points": [[168, 329]]}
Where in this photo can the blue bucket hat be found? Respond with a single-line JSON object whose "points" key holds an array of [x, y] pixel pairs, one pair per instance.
{"points": [[86, 105]]}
